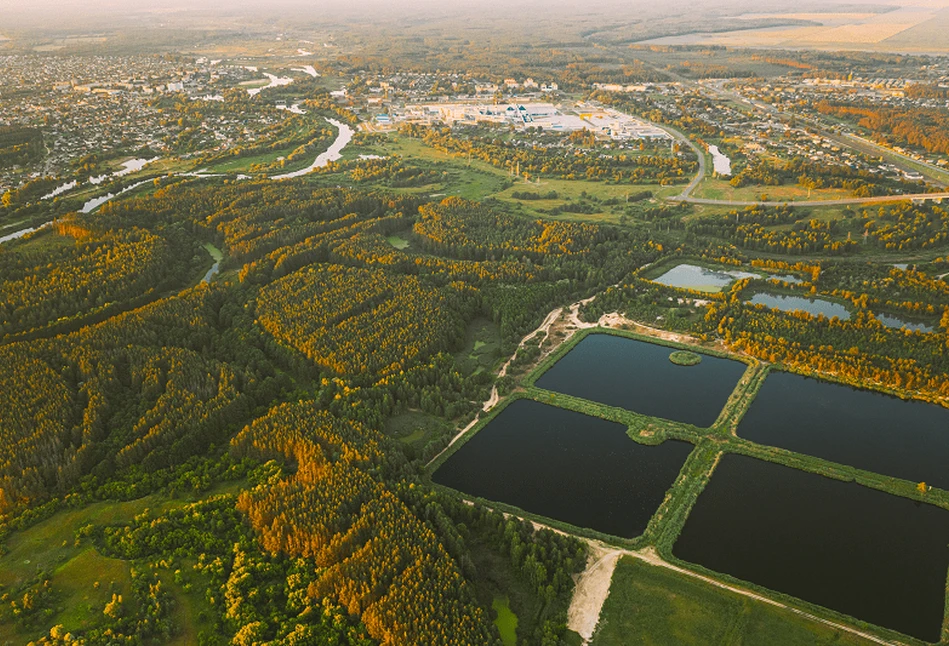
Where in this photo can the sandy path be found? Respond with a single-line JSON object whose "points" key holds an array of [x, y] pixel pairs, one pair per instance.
{"points": [[492, 401], [593, 586]]}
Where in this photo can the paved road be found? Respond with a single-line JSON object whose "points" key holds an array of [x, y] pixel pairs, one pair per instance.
{"points": [[841, 202], [699, 153]]}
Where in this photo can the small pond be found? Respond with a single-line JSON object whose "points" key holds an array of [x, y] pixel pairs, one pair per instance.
{"points": [[813, 306], [702, 279], [897, 322]]}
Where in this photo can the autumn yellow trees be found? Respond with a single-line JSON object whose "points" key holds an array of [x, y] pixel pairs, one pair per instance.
{"points": [[359, 322], [373, 555]]}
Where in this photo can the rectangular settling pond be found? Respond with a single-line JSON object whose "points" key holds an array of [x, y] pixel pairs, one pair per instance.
{"points": [[639, 376], [862, 552], [568, 466], [860, 428]]}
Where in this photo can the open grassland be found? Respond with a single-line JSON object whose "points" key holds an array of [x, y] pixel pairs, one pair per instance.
{"points": [[660, 606], [475, 179], [717, 189], [82, 579]]}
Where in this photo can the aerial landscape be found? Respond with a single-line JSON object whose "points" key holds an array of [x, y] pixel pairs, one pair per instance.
{"points": [[490, 323]]}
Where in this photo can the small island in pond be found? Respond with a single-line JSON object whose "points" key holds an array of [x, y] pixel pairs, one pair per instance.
{"points": [[685, 358]]}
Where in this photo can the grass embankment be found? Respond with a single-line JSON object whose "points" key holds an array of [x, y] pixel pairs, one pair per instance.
{"points": [[660, 606], [717, 189]]}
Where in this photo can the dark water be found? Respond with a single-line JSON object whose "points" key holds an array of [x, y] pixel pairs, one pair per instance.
{"points": [[568, 466], [874, 556], [897, 322], [814, 306], [638, 376], [860, 428]]}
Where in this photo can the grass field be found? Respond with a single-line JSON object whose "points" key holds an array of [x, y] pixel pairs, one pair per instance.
{"points": [[475, 179], [506, 620], [660, 607], [50, 546], [482, 347], [415, 429], [85, 584], [214, 252], [398, 242], [717, 189], [83, 580]]}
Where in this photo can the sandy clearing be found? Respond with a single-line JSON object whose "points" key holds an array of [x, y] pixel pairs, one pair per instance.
{"points": [[593, 586]]}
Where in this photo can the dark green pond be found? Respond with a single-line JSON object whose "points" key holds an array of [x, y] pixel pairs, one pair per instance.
{"points": [[868, 554], [638, 376], [568, 466], [898, 322], [789, 303], [864, 429]]}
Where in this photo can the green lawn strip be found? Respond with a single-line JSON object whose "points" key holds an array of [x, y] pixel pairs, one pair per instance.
{"points": [[836, 471], [660, 606], [695, 474], [643, 429], [506, 621], [742, 397]]}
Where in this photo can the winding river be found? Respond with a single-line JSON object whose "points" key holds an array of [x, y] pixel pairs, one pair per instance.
{"points": [[333, 153]]}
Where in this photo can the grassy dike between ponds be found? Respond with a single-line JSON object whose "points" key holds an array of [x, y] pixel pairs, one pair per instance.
{"points": [[710, 445]]}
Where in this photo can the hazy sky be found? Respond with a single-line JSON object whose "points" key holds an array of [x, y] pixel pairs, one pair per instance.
{"points": [[917, 25], [79, 14]]}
